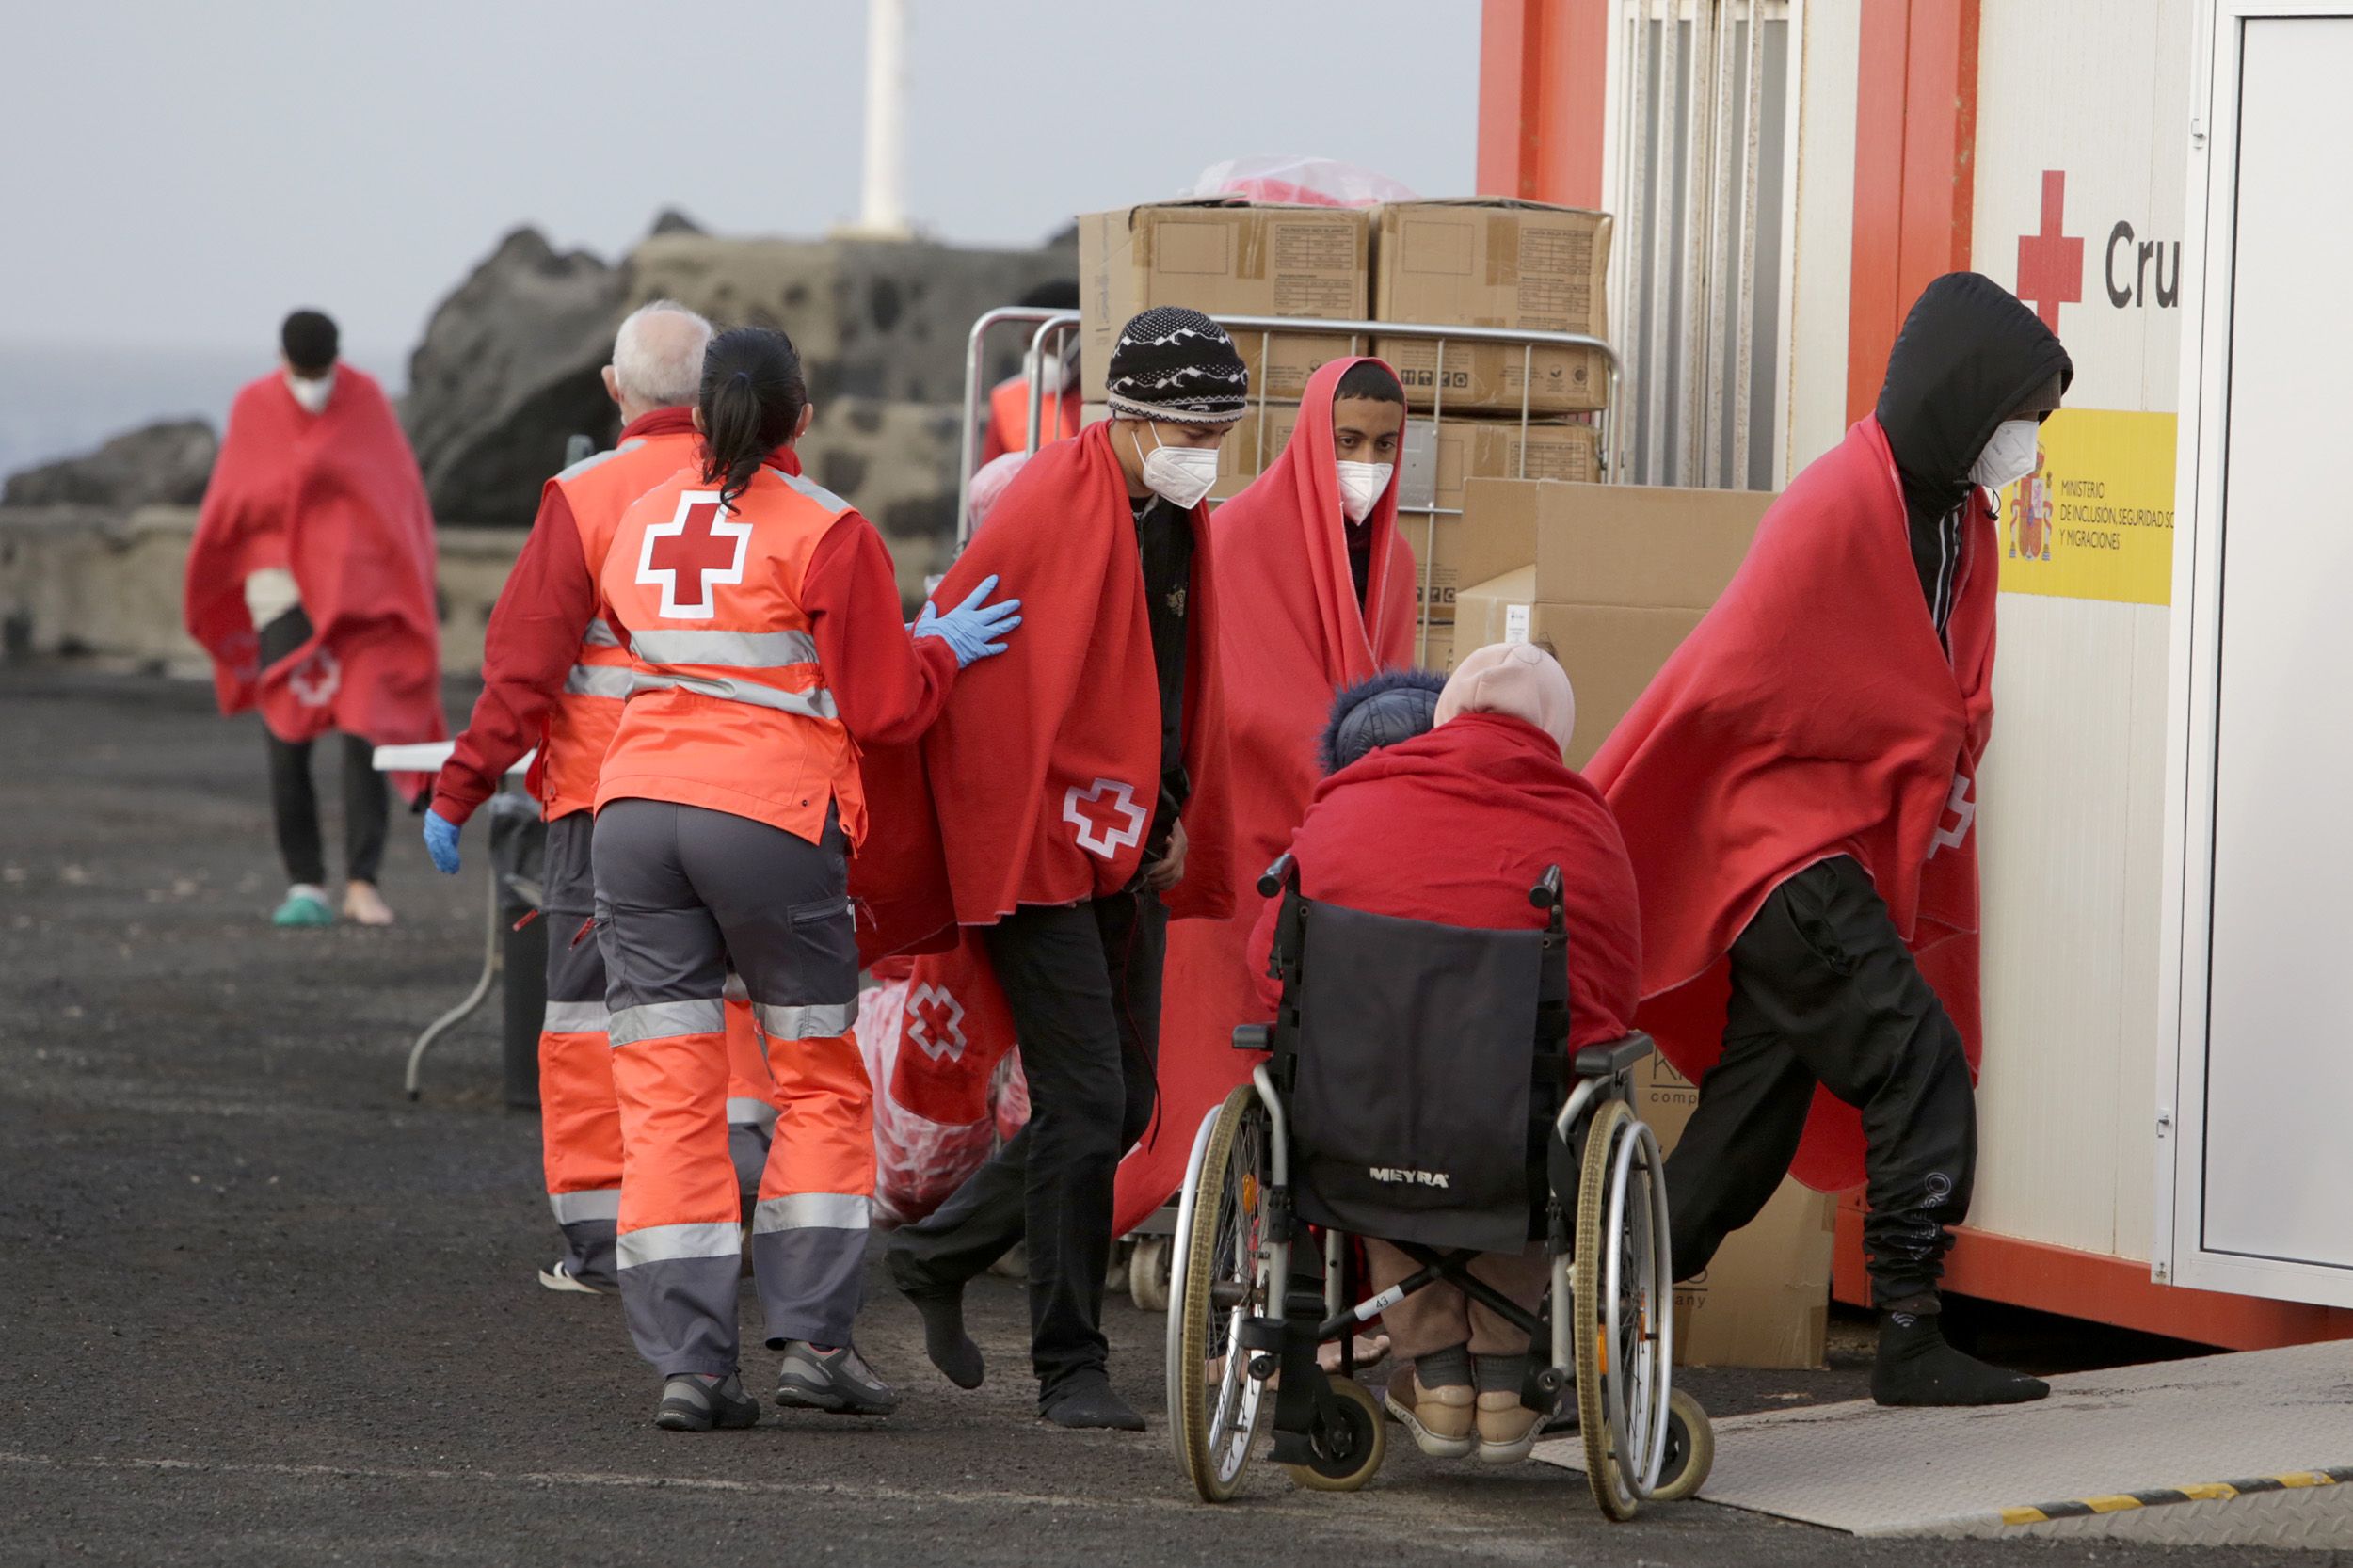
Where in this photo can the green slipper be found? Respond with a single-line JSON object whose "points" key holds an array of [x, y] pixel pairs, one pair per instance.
{"points": [[304, 906]]}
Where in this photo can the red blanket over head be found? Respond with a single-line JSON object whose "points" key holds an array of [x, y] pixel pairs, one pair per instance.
{"points": [[1811, 713], [336, 499], [1292, 633]]}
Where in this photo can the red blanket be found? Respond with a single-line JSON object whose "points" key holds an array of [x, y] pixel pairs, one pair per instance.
{"points": [[1811, 713], [336, 499], [1454, 827], [1046, 763], [1287, 615]]}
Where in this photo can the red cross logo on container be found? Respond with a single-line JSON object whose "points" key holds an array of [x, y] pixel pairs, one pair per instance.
{"points": [[935, 1022], [1106, 817], [2051, 264], [687, 557]]}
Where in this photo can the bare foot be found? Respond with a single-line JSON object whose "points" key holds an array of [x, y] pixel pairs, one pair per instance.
{"points": [[364, 905]]}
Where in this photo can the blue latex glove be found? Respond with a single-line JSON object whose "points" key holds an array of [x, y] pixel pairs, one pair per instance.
{"points": [[440, 841], [971, 630]]}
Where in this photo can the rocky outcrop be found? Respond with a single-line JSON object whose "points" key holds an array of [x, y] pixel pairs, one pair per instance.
{"points": [[157, 465], [507, 372], [508, 369]]}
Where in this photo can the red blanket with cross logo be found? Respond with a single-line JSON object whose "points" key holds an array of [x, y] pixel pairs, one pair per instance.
{"points": [[1813, 712], [1045, 766], [334, 498]]}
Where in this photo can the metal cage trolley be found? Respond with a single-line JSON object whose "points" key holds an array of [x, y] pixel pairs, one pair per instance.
{"points": [[1248, 1314]]}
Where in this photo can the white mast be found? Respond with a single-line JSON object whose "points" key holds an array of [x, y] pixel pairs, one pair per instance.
{"points": [[883, 205]]}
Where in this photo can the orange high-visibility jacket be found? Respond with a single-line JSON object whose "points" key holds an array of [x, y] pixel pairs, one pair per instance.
{"points": [[1009, 418], [583, 716], [727, 707]]}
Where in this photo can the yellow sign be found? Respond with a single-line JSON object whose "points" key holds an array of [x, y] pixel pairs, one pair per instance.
{"points": [[2095, 518]]}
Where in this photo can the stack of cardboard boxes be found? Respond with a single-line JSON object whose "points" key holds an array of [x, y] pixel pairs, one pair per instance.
{"points": [[1479, 410], [1515, 542]]}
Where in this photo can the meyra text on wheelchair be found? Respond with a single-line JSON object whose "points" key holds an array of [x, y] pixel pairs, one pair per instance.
{"points": [[1400, 1057]]}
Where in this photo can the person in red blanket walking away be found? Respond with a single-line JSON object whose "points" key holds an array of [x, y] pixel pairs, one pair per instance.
{"points": [[553, 675], [310, 584], [1315, 590], [762, 614], [1798, 789], [1080, 779]]}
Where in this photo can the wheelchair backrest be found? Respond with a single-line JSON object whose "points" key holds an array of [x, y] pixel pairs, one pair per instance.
{"points": [[1410, 1047]]}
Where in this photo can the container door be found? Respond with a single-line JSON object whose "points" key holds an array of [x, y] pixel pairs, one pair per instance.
{"points": [[2260, 1158]]}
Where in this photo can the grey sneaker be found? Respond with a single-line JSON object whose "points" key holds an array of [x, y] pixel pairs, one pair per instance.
{"points": [[837, 1381], [696, 1404]]}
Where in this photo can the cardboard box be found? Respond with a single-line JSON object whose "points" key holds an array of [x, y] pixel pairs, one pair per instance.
{"points": [[1488, 262], [1608, 579], [1436, 464], [1225, 258], [1764, 1299], [1441, 458]]}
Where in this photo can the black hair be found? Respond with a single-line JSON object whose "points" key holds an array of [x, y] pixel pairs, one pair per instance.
{"points": [[751, 399], [311, 343], [1369, 379], [1059, 294]]}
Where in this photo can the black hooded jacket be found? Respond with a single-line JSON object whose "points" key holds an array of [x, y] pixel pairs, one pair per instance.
{"points": [[1969, 357]]}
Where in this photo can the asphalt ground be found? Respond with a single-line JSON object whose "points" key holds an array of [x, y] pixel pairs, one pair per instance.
{"points": [[257, 1307]]}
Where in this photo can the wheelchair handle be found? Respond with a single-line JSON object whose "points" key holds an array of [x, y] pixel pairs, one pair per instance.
{"points": [[1270, 881], [1545, 895]]}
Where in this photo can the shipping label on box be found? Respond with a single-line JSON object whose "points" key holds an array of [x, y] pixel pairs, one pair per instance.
{"points": [[1488, 262], [1225, 258]]}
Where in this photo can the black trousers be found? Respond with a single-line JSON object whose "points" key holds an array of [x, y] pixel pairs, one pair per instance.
{"points": [[1823, 991], [1084, 982], [293, 800]]}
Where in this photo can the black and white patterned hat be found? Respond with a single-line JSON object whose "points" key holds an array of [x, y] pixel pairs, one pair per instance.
{"points": [[1177, 365]]}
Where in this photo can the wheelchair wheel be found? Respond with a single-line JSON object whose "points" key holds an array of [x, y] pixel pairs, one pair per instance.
{"points": [[1148, 1274], [1219, 1277], [1690, 1449], [1623, 1310], [1348, 1456]]}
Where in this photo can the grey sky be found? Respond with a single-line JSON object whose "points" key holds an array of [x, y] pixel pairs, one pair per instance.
{"points": [[179, 175]]}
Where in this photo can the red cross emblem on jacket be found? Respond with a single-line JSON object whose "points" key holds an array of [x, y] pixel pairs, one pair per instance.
{"points": [[700, 547]]}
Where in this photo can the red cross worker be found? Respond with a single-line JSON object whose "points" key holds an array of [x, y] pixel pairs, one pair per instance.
{"points": [[761, 614]]}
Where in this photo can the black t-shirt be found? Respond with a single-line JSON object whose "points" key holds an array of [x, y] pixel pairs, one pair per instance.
{"points": [[1164, 540], [1359, 559]]}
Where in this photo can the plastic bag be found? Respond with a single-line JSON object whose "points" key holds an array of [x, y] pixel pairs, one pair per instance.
{"points": [[1309, 182], [917, 1162]]}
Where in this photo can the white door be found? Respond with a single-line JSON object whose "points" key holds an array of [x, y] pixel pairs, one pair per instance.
{"points": [[2259, 1164]]}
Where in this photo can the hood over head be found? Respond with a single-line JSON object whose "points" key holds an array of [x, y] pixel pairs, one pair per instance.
{"points": [[1969, 357], [1393, 706]]}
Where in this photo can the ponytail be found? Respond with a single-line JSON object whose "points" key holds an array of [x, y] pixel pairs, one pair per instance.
{"points": [[752, 397]]}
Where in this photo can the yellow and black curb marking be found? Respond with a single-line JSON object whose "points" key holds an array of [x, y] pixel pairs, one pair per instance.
{"points": [[2121, 1502]]}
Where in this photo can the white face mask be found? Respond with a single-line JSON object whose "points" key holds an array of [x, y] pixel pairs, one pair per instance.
{"points": [[2009, 456], [1181, 475], [1362, 485], [312, 394]]}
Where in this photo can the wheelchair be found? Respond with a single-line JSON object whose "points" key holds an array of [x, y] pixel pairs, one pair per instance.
{"points": [[1247, 1311]]}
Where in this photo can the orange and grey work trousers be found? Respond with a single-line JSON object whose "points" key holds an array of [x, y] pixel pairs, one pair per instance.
{"points": [[580, 1120], [682, 892]]}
